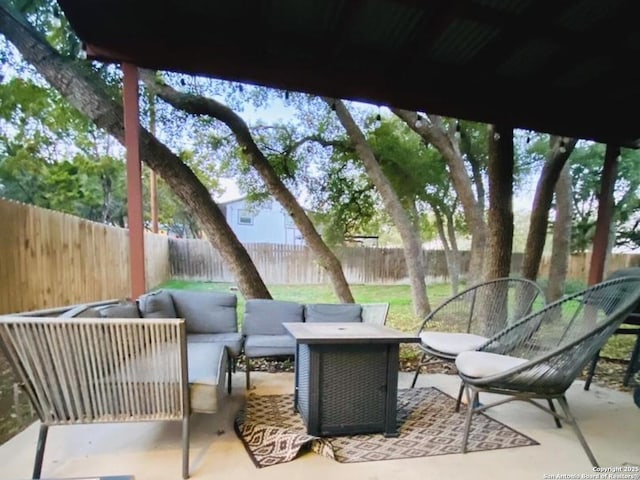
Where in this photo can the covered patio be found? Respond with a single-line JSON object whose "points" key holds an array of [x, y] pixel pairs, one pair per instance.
{"points": [[151, 451]]}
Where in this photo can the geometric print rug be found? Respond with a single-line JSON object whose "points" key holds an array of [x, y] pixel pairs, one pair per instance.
{"points": [[427, 423]]}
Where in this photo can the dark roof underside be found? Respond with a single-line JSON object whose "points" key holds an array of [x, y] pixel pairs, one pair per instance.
{"points": [[562, 67]]}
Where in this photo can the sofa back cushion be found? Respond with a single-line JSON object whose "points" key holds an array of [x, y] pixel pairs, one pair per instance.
{"points": [[265, 317], [332, 312], [206, 312], [157, 305]]}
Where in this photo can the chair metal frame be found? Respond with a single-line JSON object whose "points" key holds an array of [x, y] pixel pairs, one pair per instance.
{"points": [[550, 368]]}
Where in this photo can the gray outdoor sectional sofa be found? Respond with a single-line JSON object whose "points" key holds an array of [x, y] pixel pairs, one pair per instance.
{"points": [[213, 339], [212, 317]]}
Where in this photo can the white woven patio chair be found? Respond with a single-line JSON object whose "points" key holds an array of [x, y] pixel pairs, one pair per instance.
{"points": [[98, 370]]}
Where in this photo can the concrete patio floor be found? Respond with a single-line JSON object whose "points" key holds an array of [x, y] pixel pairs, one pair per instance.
{"points": [[152, 451]]}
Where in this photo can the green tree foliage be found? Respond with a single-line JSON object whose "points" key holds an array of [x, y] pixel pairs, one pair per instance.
{"points": [[52, 157], [345, 203], [414, 170], [344, 200]]}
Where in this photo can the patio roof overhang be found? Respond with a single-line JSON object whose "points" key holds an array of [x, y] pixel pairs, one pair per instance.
{"points": [[559, 67]]}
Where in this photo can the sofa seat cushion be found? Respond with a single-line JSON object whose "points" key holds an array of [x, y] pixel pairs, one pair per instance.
{"points": [[233, 341], [207, 366], [206, 312], [452, 343], [157, 305], [333, 312], [269, 345]]}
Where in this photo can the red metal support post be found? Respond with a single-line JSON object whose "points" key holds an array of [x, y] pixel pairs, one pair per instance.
{"points": [[605, 215], [134, 180]]}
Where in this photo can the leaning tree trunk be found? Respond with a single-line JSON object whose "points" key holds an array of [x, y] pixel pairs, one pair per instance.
{"points": [[430, 130], [412, 250], [560, 149], [199, 105], [561, 237], [87, 92]]}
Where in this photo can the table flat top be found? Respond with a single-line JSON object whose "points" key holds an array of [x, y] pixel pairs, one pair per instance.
{"points": [[347, 332]]}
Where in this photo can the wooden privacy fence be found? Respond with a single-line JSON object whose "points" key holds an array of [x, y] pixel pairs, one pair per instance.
{"points": [[50, 259], [282, 264], [580, 263], [294, 264]]}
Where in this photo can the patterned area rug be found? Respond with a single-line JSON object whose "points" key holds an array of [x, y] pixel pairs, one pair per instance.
{"points": [[428, 425]]}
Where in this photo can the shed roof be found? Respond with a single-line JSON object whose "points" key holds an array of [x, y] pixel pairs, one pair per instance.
{"points": [[562, 67]]}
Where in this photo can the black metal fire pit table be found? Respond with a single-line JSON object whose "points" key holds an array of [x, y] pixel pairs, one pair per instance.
{"points": [[346, 377]]}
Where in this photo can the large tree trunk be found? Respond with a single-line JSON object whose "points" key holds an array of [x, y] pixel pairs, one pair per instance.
{"points": [[559, 263], [559, 151], [90, 95], [500, 215], [199, 105], [432, 131], [601, 248], [497, 262], [413, 254]]}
